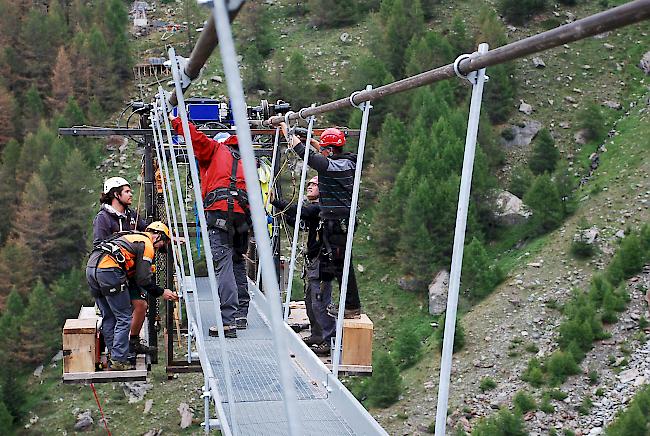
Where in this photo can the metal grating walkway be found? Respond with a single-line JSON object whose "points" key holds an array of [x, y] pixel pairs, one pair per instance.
{"points": [[326, 408]]}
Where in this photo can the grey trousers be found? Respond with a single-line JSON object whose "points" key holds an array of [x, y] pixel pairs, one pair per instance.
{"points": [[116, 311], [318, 295], [230, 269]]}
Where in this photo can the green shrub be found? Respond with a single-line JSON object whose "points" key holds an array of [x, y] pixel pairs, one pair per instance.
{"points": [[534, 374], [585, 406], [459, 335], [546, 406], [508, 134], [591, 119], [561, 365], [643, 323], [545, 155], [532, 348], [504, 423], [544, 200], [634, 420], [556, 394], [520, 181], [519, 11], [627, 261], [487, 384], [580, 248], [524, 402], [480, 275], [407, 348], [385, 384], [593, 377]]}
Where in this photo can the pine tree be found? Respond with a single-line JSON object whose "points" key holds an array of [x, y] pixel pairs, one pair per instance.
{"points": [[544, 200], [71, 212], [33, 110], [70, 292], [392, 147], [33, 226], [458, 37], [459, 334], [427, 52], [545, 155], [62, 80], [39, 329], [332, 13], [520, 181], [479, 276], [255, 72], [400, 24], [294, 73], [407, 348], [8, 189], [6, 420], [7, 129], [116, 22], [16, 268], [385, 384]]}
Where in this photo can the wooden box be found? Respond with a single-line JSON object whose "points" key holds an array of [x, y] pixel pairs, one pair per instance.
{"points": [[357, 341], [79, 345]]}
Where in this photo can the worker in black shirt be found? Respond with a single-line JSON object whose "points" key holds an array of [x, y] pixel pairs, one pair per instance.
{"points": [[336, 170], [318, 293]]}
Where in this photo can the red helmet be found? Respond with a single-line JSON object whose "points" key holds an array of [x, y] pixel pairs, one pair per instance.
{"points": [[332, 137]]}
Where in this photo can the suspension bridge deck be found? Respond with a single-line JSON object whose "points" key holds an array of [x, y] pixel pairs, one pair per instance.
{"points": [[326, 407]]}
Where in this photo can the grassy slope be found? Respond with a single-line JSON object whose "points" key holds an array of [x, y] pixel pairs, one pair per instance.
{"points": [[389, 307]]}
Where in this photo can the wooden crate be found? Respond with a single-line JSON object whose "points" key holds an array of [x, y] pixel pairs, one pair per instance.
{"points": [[357, 341], [79, 345]]}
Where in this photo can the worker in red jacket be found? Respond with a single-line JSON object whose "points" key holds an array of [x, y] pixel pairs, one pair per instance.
{"points": [[226, 209]]}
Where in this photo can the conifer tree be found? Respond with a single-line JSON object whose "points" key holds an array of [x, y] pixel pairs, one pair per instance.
{"points": [[427, 52], [39, 329], [256, 27], [407, 348], [33, 226], [544, 200], [6, 420], [71, 212], [8, 189], [401, 22], [7, 126], [332, 13], [62, 80], [458, 37], [545, 155], [520, 181], [479, 276], [254, 72], [16, 268], [116, 22], [392, 149], [294, 83], [385, 384], [69, 292], [33, 109]]}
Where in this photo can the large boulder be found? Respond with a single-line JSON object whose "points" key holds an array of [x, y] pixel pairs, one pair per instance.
{"points": [[438, 290], [84, 421], [521, 135], [510, 209]]}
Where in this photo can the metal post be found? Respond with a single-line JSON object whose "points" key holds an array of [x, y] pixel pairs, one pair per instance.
{"points": [[276, 142], [296, 227], [236, 93], [348, 242], [478, 80], [204, 233]]}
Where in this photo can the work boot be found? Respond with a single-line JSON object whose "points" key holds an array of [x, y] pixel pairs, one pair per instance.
{"points": [[229, 331], [241, 323], [136, 346], [118, 365], [312, 340], [333, 311], [322, 349]]}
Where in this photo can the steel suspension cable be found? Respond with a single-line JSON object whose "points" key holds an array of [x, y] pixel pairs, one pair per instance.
{"points": [[198, 197], [296, 227], [236, 93], [629, 13]]}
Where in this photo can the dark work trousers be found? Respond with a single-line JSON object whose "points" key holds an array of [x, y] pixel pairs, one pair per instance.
{"points": [[230, 269], [332, 257], [318, 295], [115, 309]]}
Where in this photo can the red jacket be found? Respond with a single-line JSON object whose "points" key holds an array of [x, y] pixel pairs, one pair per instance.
{"points": [[215, 165]]}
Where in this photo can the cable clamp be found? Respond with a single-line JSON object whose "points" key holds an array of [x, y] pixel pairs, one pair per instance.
{"points": [[300, 115], [351, 99], [470, 77], [287, 115]]}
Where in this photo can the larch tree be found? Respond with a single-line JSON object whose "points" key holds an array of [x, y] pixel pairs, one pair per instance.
{"points": [[8, 190], [7, 126], [62, 81]]}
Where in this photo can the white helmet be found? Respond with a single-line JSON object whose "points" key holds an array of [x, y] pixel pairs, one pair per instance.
{"points": [[114, 182]]}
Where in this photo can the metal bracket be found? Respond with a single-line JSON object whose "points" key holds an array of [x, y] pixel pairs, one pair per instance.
{"points": [[184, 79], [351, 99], [472, 76]]}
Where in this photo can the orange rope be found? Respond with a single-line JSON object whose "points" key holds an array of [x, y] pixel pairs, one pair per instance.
{"points": [[92, 385]]}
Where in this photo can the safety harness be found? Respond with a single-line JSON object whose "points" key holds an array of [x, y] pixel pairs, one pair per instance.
{"points": [[231, 194]]}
